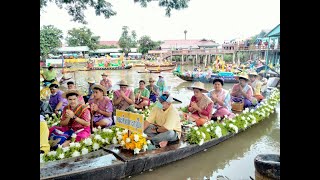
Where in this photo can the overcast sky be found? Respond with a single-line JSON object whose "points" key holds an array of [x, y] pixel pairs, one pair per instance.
{"points": [[211, 19]]}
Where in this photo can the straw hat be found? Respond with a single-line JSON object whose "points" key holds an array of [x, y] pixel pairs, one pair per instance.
{"points": [[104, 74], [253, 73], [123, 83], [151, 79], [91, 80], [98, 86], [64, 95], [198, 85], [242, 75]]}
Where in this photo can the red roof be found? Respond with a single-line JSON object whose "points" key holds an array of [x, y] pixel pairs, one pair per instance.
{"points": [[109, 43], [187, 43]]}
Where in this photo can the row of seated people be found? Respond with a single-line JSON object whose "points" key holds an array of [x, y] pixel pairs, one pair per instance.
{"points": [[163, 125], [206, 105]]}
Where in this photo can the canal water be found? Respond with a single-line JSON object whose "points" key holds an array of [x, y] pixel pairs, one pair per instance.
{"points": [[233, 158]]}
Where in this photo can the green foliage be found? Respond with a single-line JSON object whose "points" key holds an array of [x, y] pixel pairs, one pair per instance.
{"points": [[50, 38], [184, 109], [76, 8], [169, 5], [126, 41], [228, 57], [146, 44], [82, 37]]}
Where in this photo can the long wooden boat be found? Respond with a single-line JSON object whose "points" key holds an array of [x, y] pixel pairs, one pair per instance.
{"points": [[160, 65], [227, 79], [46, 67], [108, 68], [156, 70], [113, 162], [139, 65]]}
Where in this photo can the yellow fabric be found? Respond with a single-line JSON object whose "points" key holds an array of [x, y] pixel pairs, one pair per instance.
{"points": [[44, 134], [257, 88], [169, 118]]}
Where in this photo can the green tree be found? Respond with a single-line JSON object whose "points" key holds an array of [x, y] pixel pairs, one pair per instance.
{"points": [[50, 38], [260, 35], [75, 8], [82, 37], [146, 44], [228, 57], [126, 41]]}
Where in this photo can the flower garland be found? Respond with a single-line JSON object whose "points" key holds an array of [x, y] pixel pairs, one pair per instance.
{"points": [[100, 138], [240, 121], [97, 140], [135, 142]]}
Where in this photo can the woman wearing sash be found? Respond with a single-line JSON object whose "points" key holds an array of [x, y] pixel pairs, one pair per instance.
{"points": [[221, 99], [154, 90], [200, 105], [256, 85], [242, 91], [75, 118], [123, 99], [101, 107]]}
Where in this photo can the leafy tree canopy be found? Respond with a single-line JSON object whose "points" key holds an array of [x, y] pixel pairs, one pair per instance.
{"points": [[76, 8], [146, 44], [82, 37], [127, 41], [50, 38]]}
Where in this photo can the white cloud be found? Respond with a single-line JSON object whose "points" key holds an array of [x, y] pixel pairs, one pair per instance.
{"points": [[210, 19]]}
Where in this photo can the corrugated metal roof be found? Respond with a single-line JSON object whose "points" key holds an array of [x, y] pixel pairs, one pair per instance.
{"points": [[74, 49], [111, 50], [275, 32]]}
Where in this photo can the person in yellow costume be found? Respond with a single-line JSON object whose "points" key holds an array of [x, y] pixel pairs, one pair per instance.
{"points": [[44, 134]]}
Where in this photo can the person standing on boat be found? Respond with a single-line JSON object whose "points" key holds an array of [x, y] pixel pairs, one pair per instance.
{"points": [[123, 99], [163, 125], [161, 84], [101, 107], [56, 101], [256, 85], [221, 99], [142, 95], [106, 82], [50, 75], [154, 90], [200, 105], [91, 82], [75, 118], [242, 91], [71, 86]]}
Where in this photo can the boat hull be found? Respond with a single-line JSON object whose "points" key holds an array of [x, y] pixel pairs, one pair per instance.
{"points": [[227, 79], [110, 68]]}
